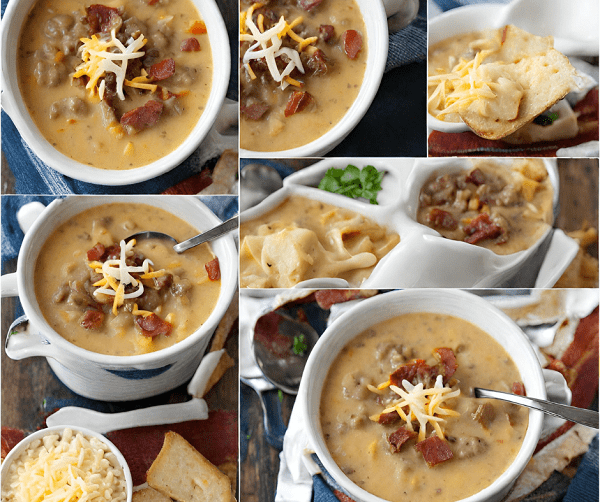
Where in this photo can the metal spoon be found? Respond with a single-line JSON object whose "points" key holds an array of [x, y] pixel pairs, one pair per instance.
{"points": [[209, 235], [581, 416], [283, 356], [257, 181]]}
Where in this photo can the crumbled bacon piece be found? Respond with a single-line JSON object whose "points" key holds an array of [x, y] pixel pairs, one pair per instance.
{"points": [[142, 117], [309, 4], [325, 298], [434, 450], [398, 438], [352, 43], [92, 319], [101, 19], [153, 325], [96, 253], [388, 418], [326, 32], [476, 177], [254, 111], [162, 70], [447, 361], [317, 63], [480, 228], [297, 102], [415, 371], [441, 219], [213, 269], [190, 45], [518, 388]]}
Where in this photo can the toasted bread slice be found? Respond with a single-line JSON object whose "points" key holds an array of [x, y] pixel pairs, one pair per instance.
{"points": [[182, 473], [149, 495], [543, 73]]}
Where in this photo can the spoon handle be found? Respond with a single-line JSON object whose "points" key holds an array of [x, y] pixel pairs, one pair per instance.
{"points": [[213, 233], [581, 416]]}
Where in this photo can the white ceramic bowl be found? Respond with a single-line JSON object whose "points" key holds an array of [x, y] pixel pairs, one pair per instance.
{"points": [[377, 39], [422, 258], [24, 444], [101, 376], [13, 104], [451, 302]]}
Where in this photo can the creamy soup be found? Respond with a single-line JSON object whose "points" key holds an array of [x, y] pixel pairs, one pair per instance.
{"points": [[305, 239], [102, 108], [504, 208], [294, 92], [434, 360], [114, 297]]}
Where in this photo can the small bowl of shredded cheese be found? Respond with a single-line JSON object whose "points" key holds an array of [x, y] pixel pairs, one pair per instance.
{"points": [[59, 464]]}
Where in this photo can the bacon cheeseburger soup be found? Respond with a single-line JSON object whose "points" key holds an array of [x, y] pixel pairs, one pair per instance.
{"points": [[302, 65], [398, 414], [305, 239], [116, 85], [124, 298], [504, 208]]}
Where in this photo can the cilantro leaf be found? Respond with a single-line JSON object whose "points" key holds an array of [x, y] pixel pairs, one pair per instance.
{"points": [[353, 182]]}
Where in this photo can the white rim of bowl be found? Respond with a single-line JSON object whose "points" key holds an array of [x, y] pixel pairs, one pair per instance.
{"points": [[158, 357], [14, 106], [376, 60], [315, 363]]}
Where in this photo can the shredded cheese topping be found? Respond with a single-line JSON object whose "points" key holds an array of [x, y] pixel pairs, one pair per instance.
{"points": [[423, 405], [70, 468], [117, 274], [269, 45], [101, 56]]}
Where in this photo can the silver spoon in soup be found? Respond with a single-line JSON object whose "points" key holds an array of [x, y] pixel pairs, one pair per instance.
{"points": [[589, 418], [209, 235]]}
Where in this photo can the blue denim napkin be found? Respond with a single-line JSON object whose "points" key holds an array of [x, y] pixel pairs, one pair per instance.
{"points": [[585, 483]]}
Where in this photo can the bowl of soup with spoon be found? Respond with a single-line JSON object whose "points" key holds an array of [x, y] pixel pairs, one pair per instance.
{"points": [[389, 404], [130, 87], [138, 314]]}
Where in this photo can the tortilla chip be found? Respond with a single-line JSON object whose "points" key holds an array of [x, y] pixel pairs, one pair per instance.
{"points": [[182, 473], [545, 75]]}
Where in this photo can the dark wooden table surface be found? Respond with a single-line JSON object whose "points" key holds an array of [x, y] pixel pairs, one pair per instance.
{"points": [[258, 478]]}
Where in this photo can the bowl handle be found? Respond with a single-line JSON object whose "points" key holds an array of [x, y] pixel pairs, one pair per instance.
{"points": [[21, 342], [8, 286], [27, 215]]}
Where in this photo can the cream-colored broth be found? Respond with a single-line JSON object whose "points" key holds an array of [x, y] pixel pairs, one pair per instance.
{"points": [[63, 263], [333, 93], [360, 447], [524, 219], [81, 134], [304, 239]]}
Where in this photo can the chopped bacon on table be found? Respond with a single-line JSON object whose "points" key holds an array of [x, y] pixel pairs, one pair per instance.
{"points": [[190, 45], [297, 102], [326, 298], [153, 326], [162, 70], [480, 228], [213, 270], [518, 388], [92, 319], [101, 18], [142, 117], [398, 438], [434, 450], [441, 219], [352, 43]]}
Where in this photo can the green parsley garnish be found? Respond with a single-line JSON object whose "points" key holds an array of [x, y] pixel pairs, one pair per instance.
{"points": [[300, 345], [353, 182], [546, 118], [280, 395]]}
